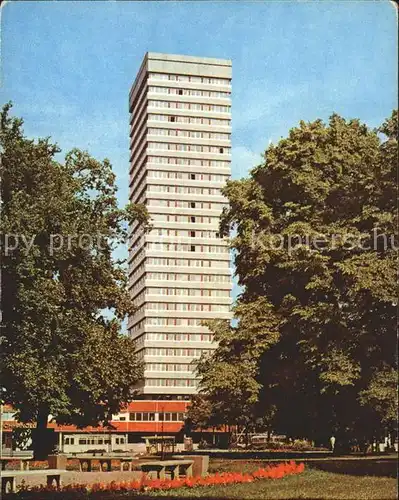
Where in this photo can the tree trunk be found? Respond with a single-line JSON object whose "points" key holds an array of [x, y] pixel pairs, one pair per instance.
{"points": [[40, 436]]}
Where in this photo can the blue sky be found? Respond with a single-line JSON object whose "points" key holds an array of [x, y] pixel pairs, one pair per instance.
{"points": [[68, 66]]}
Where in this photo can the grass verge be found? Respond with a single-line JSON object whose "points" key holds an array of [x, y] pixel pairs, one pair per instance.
{"points": [[310, 485]]}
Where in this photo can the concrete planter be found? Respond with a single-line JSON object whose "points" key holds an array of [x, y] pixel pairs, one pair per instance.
{"points": [[200, 465], [57, 461]]}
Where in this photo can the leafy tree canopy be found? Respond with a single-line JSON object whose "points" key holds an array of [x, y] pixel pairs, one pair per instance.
{"points": [[315, 251], [61, 350]]}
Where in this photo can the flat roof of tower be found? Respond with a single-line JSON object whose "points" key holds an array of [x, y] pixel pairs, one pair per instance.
{"points": [[189, 59]]}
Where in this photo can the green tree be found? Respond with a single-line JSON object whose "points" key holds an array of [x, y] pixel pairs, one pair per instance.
{"points": [[64, 294], [229, 378], [199, 415], [314, 246]]}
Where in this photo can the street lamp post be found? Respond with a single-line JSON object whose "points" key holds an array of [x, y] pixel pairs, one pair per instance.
{"points": [[162, 431]]}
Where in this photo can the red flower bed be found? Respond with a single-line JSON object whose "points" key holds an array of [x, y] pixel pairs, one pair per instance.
{"points": [[145, 484]]}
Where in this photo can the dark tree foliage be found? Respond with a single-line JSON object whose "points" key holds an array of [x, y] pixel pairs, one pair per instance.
{"points": [[62, 354], [316, 254]]}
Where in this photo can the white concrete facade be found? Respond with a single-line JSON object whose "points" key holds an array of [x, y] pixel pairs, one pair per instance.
{"points": [[179, 272]]}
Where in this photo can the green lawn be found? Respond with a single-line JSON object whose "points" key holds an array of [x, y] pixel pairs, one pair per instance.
{"points": [[311, 485]]}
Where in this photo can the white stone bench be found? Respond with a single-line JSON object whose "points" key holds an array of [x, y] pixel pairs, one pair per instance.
{"points": [[173, 467], [86, 461]]}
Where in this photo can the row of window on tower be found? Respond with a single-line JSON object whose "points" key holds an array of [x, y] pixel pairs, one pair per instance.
{"points": [[192, 120], [170, 382], [192, 134], [185, 277], [169, 262], [161, 188], [187, 292], [139, 112], [189, 106], [184, 351], [173, 242], [151, 147], [190, 277], [181, 233], [185, 162], [192, 148], [184, 307], [159, 321], [197, 278], [167, 170], [171, 352], [191, 263], [188, 79], [171, 246], [183, 247], [192, 337], [170, 367], [183, 292], [179, 337], [199, 176], [198, 219], [215, 94]]}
